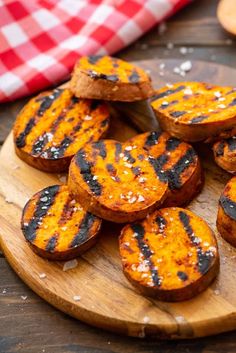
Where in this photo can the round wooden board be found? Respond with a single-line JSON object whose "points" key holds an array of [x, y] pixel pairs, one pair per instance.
{"points": [[108, 300]]}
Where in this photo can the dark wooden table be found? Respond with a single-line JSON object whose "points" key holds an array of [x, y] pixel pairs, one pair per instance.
{"points": [[27, 323]]}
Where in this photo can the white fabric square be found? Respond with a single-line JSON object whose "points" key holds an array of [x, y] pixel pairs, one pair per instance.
{"points": [[42, 62], [129, 32], [71, 6], [100, 15], [45, 19], [158, 8], [9, 83], [14, 34], [74, 42]]}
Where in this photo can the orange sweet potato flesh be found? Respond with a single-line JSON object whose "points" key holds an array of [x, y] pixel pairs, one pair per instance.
{"points": [[178, 160], [226, 217], [116, 181], [225, 154], [56, 226], [108, 78], [194, 111], [171, 255], [53, 126]]}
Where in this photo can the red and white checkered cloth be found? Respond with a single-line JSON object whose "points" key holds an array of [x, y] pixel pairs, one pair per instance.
{"points": [[40, 40]]}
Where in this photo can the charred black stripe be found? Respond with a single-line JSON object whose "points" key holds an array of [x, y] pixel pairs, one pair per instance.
{"points": [[168, 92], [97, 75], [101, 147], [228, 206], [45, 201], [55, 152], [147, 253], [85, 171], [84, 230], [157, 164], [182, 275], [50, 247], [21, 139], [136, 170], [172, 143], [110, 168], [231, 144], [67, 212], [47, 101], [177, 114], [161, 222], [134, 77], [198, 119], [93, 59], [152, 138], [233, 103], [130, 158], [175, 172], [105, 122], [94, 104], [204, 258], [39, 144], [118, 151], [220, 149]]}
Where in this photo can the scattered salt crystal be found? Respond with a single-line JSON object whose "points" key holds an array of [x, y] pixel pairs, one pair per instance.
{"points": [[180, 319], [146, 319], [141, 198], [221, 106], [217, 94], [176, 70], [69, 265], [115, 88], [125, 172], [165, 103], [15, 167], [142, 179], [128, 148], [132, 199], [183, 50], [217, 292], [169, 85], [161, 73], [44, 199], [42, 275], [110, 196], [121, 155], [88, 117], [128, 165], [162, 66], [23, 297], [95, 177], [170, 46], [62, 178], [4, 291], [186, 66], [64, 228], [188, 91], [76, 298]]}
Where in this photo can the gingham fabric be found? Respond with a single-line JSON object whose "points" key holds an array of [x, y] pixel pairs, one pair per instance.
{"points": [[40, 40]]}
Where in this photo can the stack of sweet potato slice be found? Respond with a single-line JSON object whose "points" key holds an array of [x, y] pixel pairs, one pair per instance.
{"points": [[166, 251]]}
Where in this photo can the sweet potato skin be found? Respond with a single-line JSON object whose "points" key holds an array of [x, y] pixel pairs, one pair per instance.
{"points": [[225, 154], [56, 227], [116, 186], [226, 217], [178, 160], [54, 125], [110, 79], [193, 111], [165, 269]]}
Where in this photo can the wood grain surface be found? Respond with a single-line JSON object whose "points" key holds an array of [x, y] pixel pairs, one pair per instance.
{"points": [[31, 325], [107, 298]]}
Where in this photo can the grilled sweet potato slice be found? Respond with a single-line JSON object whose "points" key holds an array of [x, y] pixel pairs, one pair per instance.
{"points": [[171, 255], [116, 181], [53, 126], [104, 77], [178, 160], [225, 154], [56, 226], [194, 111], [226, 217]]}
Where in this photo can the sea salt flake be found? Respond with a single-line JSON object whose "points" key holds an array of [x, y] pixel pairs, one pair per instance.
{"points": [[88, 117], [221, 106], [23, 297], [217, 94], [42, 275], [62, 178], [170, 45], [76, 298], [128, 148], [132, 199], [186, 66], [146, 319], [217, 292], [188, 91], [183, 50], [162, 66], [141, 198], [165, 103], [69, 265], [180, 319]]}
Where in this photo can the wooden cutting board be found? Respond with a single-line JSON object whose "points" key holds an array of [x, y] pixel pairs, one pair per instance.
{"points": [[108, 300]]}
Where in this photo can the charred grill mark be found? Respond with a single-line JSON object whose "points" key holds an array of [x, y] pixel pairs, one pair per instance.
{"points": [[129, 157], [168, 92], [136, 171], [96, 75], [93, 59], [101, 148], [84, 229], [164, 106], [39, 144], [172, 143], [112, 171], [198, 119], [182, 275], [21, 139], [85, 171], [139, 233], [56, 152], [134, 77], [94, 104], [118, 151], [52, 242], [177, 114], [175, 172], [233, 103], [231, 91], [45, 201], [161, 222], [231, 144], [67, 212], [220, 149], [47, 101], [152, 139], [204, 258], [157, 164], [140, 157], [228, 206]]}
